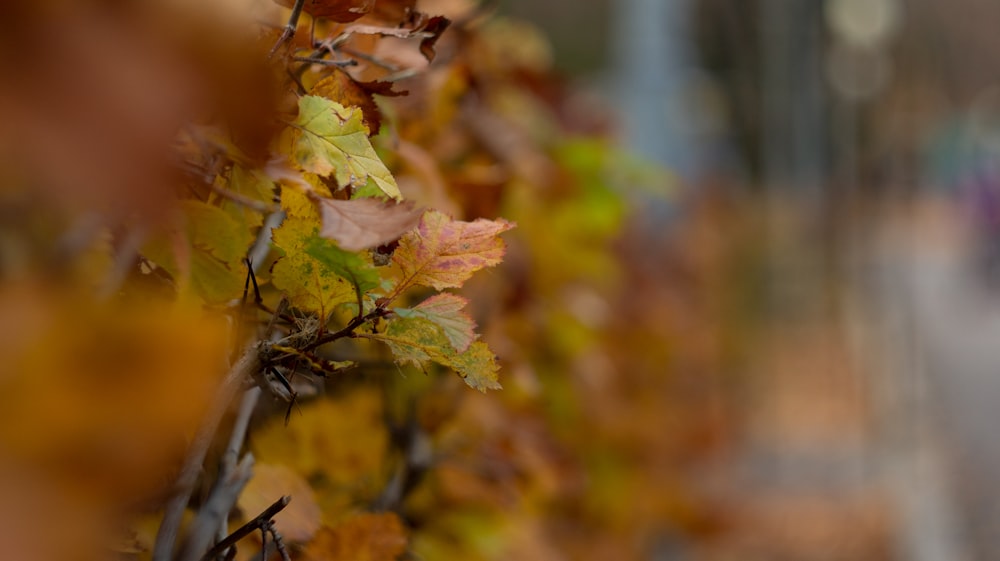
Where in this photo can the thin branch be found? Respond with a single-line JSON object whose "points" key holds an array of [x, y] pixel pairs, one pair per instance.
{"points": [[348, 330], [166, 537], [324, 62], [289, 31], [259, 521], [367, 57], [238, 198]]}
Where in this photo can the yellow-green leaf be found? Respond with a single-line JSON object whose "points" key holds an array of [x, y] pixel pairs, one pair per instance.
{"points": [[329, 139], [445, 310], [417, 340], [309, 284]]}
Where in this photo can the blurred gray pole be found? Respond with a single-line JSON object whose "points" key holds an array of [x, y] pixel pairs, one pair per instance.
{"points": [[653, 65], [793, 147]]}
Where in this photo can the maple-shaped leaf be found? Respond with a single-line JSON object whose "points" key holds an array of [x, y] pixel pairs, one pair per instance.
{"points": [[365, 537], [312, 273], [365, 223], [339, 86], [337, 10], [417, 340], [445, 310], [444, 253], [329, 139]]}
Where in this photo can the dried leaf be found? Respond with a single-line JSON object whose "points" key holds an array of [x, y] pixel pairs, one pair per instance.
{"points": [[329, 139], [366, 537], [445, 310], [365, 223], [300, 520], [337, 10], [434, 27], [427, 29], [444, 253]]}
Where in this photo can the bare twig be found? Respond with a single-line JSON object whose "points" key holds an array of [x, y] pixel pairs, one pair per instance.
{"points": [[289, 31], [258, 522], [238, 198], [248, 364], [324, 62]]}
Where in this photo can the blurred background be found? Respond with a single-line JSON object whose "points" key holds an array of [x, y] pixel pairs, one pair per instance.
{"points": [[751, 310], [836, 164]]}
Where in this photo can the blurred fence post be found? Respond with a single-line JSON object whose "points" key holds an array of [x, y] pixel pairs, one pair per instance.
{"points": [[655, 70]]}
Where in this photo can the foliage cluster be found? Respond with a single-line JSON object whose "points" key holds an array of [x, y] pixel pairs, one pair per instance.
{"points": [[199, 208]]}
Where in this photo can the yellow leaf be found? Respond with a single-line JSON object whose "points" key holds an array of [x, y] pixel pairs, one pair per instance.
{"points": [[329, 139]]}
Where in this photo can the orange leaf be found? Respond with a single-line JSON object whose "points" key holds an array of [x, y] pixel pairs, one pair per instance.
{"points": [[366, 537], [364, 223]]}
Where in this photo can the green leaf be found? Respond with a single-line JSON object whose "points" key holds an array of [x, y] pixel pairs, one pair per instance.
{"points": [[417, 340], [350, 266], [329, 139], [444, 253], [445, 310]]}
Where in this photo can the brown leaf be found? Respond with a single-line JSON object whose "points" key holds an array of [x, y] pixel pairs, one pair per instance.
{"points": [[365, 223], [343, 89], [337, 10], [300, 520], [435, 26], [427, 29], [367, 537]]}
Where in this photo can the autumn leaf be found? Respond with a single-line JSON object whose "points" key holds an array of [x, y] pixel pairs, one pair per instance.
{"points": [[216, 243], [417, 340], [329, 139], [445, 310], [428, 29], [434, 27], [312, 274], [366, 537], [337, 10], [444, 253], [345, 90], [365, 223], [297, 522]]}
